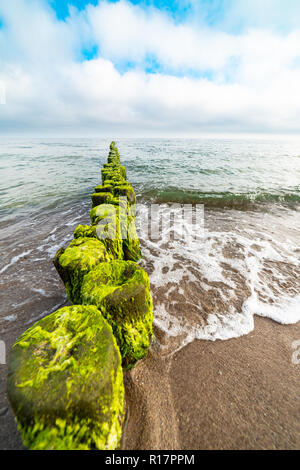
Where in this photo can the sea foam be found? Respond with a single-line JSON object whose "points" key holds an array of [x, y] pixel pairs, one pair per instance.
{"points": [[224, 279]]}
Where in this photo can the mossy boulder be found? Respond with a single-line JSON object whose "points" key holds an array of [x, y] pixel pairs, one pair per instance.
{"points": [[125, 190], [101, 198], [115, 172], [65, 382], [85, 231], [107, 234], [103, 211], [74, 262], [108, 182], [131, 243], [107, 188], [121, 290]]}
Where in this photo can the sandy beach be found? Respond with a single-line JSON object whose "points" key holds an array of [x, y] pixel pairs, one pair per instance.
{"points": [[150, 225], [241, 393], [237, 394]]}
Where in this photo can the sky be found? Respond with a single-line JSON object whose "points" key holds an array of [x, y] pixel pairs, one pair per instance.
{"points": [[149, 68]]}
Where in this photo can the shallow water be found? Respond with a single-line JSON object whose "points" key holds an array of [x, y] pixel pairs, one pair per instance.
{"points": [[246, 261]]}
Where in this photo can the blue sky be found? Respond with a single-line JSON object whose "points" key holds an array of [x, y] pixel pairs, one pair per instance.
{"points": [[230, 15], [150, 67], [176, 8]]}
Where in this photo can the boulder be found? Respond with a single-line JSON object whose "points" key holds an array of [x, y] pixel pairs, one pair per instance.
{"points": [[121, 291], [131, 243], [101, 198], [74, 262], [65, 382]]}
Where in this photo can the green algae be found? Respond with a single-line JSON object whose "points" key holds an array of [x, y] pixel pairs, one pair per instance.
{"points": [[85, 231], [74, 262], [125, 190], [101, 198], [65, 379], [121, 291], [113, 172], [102, 211], [114, 222], [131, 243], [106, 188], [65, 382], [106, 233]]}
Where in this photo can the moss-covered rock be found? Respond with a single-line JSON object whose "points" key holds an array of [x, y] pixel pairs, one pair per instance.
{"points": [[65, 382], [107, 188], [108, 182], [121, 290], [131, 243], [111, 173], [109, 236], [85, 231], [74, 262], [103, 211], [101, 198], [125, 190]]}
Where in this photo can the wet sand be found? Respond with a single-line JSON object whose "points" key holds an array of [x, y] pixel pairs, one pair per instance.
{"points": [[237, 394]]}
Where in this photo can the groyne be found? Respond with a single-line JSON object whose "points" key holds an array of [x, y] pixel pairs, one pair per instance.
{"points": [[65, 379]]}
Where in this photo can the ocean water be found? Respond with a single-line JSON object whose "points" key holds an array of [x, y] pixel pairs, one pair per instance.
{"points": [[245, 261]]}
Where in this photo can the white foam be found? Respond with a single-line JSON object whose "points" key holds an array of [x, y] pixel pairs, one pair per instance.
{"points": [[269, 269]]}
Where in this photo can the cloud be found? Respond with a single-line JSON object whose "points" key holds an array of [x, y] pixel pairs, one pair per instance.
{"points": [[209, 80]]}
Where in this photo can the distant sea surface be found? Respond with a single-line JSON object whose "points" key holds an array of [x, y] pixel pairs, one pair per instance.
{"points": [[247, 262]]}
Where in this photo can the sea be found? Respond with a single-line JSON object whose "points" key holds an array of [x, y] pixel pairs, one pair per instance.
{"points": [[237, 256]]}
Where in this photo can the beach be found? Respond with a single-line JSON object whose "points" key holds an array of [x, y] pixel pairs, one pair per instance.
{"points": [[219, 374], [237, 394]]}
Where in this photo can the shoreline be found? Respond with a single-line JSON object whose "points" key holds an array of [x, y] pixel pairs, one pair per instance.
{"points": [[182, 391], [235, 394]]}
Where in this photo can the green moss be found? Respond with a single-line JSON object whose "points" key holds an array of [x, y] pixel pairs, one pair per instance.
{"points": [[65, 382], [113, 172], [114, 224], [85, 231], [74, 262], [107, 188], [101, 198], [108, 234], [125, 190], [110, 183], [121, 290], [65, 379], [103, 211], [123, 172], [120, 202], [131, 244]]}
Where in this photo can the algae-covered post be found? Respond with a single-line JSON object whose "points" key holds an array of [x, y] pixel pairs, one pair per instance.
{"points": [[65, 382], [65, 379]]}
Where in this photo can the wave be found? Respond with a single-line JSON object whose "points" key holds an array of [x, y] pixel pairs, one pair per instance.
{"points": [[212, 288], [220, 200]]}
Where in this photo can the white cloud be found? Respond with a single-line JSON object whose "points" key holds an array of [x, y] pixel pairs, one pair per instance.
{"points": [[253, 86], [124, 31]]}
